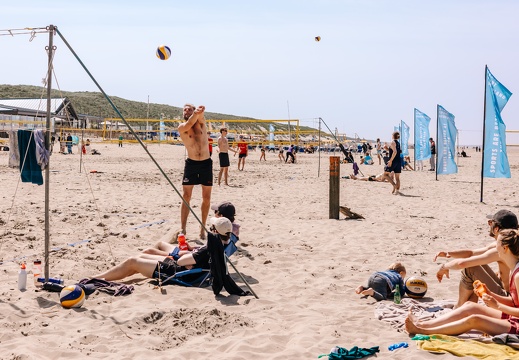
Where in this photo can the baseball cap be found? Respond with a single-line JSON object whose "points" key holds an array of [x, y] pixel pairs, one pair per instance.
{"points": [[226, 209], [222, 225], [505, 219]]}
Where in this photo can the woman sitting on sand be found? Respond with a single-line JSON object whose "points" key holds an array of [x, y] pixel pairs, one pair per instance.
{"points": [[499, 315], [407, 163]]}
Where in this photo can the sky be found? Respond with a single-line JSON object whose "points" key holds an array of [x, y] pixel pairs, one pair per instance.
{"points": [[376, 62]]}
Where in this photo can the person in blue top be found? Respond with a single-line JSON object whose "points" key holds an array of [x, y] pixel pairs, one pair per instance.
{"points": [[394, 164], [381, 284]]}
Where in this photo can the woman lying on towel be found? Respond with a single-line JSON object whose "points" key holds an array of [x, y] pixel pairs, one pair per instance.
{"points": [[499, 315]]}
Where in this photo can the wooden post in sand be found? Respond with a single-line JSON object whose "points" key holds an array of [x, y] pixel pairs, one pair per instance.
{"points": [[334, 186]]}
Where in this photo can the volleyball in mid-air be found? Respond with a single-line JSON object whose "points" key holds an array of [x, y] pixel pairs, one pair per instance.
{"points": [[317, 38], [415, 287], [163, 52], [72, 296]]}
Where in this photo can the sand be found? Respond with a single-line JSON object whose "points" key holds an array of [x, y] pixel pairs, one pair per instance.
{"points": [[303, 266]]}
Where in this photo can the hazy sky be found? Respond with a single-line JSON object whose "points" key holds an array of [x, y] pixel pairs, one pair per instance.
{"points": [[376, 62]]}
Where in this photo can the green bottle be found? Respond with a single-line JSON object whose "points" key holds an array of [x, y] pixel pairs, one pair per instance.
{"points": [[397, 298]]}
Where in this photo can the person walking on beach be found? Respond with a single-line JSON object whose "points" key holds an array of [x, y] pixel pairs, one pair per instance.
{"points": [[243, 149], [394, 164], [198, 169], [223, 156], [69, 143], [280, 154], [474, 264], [379, 151], [121, 140], [432, 159], [262, 156], [290, 152]]}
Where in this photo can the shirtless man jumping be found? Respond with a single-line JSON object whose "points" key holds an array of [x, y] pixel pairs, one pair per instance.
{"points": [[198, 169]]}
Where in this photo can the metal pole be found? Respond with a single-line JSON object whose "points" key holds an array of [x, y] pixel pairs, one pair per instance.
{"points": [[319, 162], [50, 51], [436, 143], [414, 139], [483, 147], [81, 144], [457, 147], [147, 117]]}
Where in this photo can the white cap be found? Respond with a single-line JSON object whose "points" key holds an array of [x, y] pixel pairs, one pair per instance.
{"points": [[222, 225]]}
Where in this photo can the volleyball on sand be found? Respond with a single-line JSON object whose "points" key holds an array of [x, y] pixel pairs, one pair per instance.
{"points": [[163, 52], [415, 287], [72, 296]]}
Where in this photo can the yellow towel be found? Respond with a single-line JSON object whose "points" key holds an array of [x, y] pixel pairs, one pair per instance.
{"points": [[459, 347]]}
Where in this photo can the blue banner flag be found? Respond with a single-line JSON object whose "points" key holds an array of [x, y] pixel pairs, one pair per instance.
{"points": [[495, 160], [446, 143], [421, 135], [404, 136], [396, 128]]}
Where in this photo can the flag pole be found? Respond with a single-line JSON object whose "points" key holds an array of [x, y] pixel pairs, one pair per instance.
{"points": [[483, 147], [319, 162], [401, 142], [414, 139], [436, 144], [458, 148]]}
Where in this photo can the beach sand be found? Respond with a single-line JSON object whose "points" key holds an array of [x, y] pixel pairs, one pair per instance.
{"points": [[303, 266]]}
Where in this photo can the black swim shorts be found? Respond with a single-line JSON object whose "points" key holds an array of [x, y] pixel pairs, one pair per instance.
{"points": [[224, 159], [242, 155], [198, 172], [166, 268], [395, 167]]}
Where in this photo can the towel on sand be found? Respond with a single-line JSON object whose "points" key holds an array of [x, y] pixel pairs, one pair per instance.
{"points": [[395, 314], [459, 347], [109, 287]]}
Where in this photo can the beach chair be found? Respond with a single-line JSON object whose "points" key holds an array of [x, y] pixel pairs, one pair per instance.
{"points": [[199, 277]]}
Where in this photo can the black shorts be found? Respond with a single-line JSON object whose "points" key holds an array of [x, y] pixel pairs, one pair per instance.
{"points": [[167, 268], [224, 159], [395, 167], [242, 155], [198, 172]]}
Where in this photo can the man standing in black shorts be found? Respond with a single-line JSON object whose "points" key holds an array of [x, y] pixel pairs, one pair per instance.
{"points": [[198, 169], [394, 164], [223, 155]]}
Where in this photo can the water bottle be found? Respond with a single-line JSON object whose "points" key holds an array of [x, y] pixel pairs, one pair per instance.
{"points": [[181, 240], [22, 278], [397, 297], [36, 271], [51, 280]]}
